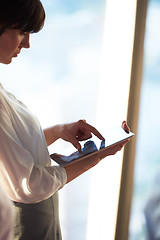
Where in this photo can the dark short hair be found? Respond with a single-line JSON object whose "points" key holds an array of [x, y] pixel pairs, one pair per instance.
{"points": [[26, 15]]}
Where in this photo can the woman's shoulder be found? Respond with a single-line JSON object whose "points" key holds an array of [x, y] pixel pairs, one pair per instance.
{"points": [[2, 90], [4, 101], [6, 96]]}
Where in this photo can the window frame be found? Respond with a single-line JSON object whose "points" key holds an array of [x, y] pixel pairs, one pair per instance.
{"points": [[127, 177]]}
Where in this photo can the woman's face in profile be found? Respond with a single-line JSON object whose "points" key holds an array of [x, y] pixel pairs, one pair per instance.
{"points": [[11, 43]]}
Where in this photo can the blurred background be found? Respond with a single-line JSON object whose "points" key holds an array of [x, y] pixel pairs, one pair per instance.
{"points": [[147, 160], [74, 70]]}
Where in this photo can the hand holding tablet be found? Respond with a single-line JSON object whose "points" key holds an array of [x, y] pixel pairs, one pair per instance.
{"points": [[113, 138]]}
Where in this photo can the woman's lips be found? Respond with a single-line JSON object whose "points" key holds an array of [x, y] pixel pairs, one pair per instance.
{"points": [[15, 54]]}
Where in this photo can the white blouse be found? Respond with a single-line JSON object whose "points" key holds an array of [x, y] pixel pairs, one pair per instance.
{"points": [[26, 174], [7, 217]]}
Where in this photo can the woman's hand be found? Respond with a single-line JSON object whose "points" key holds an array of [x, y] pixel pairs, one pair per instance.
{"points": [[81, 130], [117, 147], [125, 127], [113, 149], [75, 132], [78, 131]]}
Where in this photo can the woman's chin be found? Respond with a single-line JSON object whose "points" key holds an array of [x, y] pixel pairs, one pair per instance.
{"points": [[6, 61]]}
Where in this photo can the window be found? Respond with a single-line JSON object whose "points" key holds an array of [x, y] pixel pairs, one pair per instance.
{"points": [[147, 160], [79, 67]]}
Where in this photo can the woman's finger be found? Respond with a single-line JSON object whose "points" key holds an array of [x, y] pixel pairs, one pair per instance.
{"points": [[125, 127], [87, 127]]}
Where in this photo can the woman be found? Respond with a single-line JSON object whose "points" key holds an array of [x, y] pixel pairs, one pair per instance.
{"points": [[26, 173], [7, 217]]}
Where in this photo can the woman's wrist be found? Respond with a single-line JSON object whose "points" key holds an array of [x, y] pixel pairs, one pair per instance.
{"points": [[53, 133]]}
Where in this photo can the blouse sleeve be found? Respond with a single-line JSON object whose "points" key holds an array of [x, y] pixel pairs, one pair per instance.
{"points": [[21, 178], [7, 217]]}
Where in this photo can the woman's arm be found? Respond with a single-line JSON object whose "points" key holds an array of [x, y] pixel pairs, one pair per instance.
{"points": [[77, 168], [7, 217], [71, 132], [52, 133], [75, 132]]}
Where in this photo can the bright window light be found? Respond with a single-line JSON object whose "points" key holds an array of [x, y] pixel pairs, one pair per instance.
{"points": [[111, 111]]}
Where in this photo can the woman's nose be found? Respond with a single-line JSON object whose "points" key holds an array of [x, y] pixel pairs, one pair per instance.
{"points": [[26, 41]]}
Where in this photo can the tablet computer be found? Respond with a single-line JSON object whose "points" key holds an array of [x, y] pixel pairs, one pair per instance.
{"points": [[94, 146]]}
